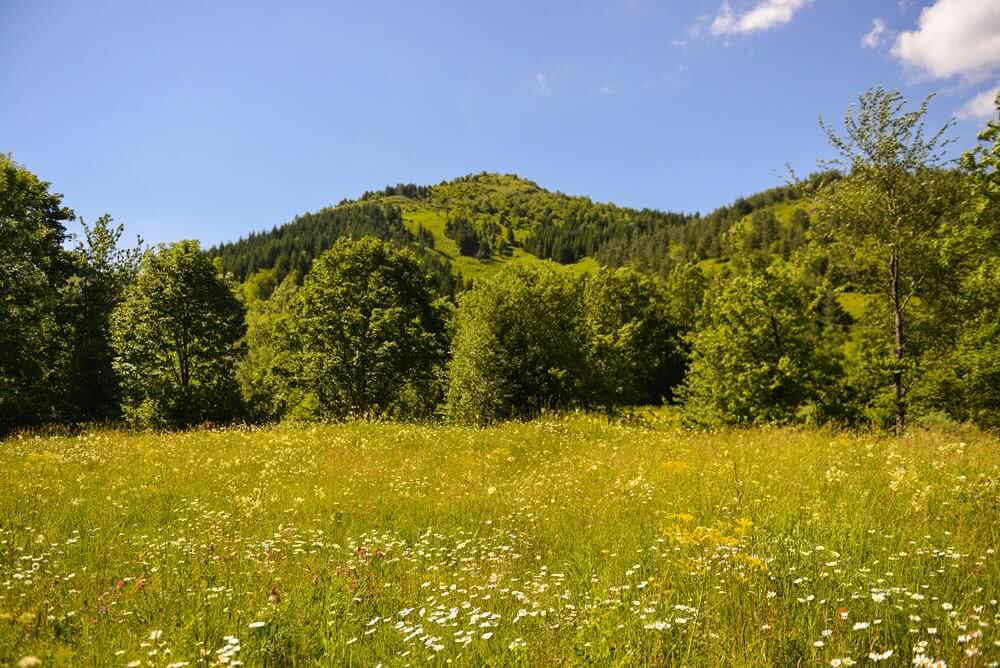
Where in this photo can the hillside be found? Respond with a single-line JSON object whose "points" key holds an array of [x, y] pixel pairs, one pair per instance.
{"points": [[466, 228]]}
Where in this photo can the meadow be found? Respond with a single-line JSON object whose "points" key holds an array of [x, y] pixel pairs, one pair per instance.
{"points": [[565, 541]]}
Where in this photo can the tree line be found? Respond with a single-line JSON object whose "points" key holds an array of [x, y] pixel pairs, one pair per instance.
{"points": [[167, 338]]}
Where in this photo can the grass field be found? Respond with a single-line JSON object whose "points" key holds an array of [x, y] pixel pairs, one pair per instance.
{"points": [[565, 541]]}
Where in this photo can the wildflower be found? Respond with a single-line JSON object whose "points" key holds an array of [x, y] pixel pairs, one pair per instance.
{"points": [[818, 643], [256, 625], [876, 656], [155, 635], [487, 635], [861, 626], [29, 662]]}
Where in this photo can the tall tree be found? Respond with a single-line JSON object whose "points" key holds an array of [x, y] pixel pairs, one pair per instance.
{"points": [[176, 340], [102, 273], [34, 269], [885, 215]]}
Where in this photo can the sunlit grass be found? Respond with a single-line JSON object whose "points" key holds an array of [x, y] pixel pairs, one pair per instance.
{"points": [[562, 541]]}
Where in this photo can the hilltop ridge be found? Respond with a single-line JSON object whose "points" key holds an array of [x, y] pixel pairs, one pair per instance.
{"points": [[467, 227]]}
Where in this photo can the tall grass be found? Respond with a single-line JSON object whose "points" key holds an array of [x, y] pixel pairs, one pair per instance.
{"points": [[567, 541]]}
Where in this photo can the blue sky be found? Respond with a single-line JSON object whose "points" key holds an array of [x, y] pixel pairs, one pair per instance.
{"points": [[211, 119]]}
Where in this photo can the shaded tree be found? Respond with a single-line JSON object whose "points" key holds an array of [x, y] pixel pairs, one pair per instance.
{"points": [[633, 343], [34, 269], [103, 271]]}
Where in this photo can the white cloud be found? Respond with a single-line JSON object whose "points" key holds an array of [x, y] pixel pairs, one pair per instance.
{"points": [[873, 38], [980, 107], [764, 15], [953, 38], [542, 82]]}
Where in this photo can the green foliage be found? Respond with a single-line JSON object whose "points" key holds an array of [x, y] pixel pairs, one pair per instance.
{"points": [[103, 271], [34, 269], [961, 377], [518, 347], [258, 384], [176, 340], [632, 340], [758, 356], [294, 246], [366, 335], [983, 162], [884, 221], [470, 241]]}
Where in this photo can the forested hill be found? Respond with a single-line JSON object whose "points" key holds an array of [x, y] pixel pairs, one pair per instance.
{"points": [[465, 228]]}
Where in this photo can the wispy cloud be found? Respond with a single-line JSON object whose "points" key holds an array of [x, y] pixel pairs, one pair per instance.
{"points": [[678, 43], [542, 82], [764, 15], [874, 37]]}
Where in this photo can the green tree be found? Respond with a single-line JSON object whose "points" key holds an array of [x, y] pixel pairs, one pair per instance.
{"points": [[103, 271], [258, 383], [519, 346], [176, 337], [365, 336], [34, 269], [962, 375], [885, 216], [983, 163], [632, 341], [962, 367], [758, 355]]}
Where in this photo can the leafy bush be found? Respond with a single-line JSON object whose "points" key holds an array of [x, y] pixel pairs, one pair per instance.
{"points": [[755, 359], [519, 346]]}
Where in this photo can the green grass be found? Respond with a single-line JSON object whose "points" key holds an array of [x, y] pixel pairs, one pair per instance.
{"points": [[564, 541], [853, 303]]}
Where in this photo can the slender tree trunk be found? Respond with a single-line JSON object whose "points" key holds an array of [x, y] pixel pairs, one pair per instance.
{"points": [[897, 375]]}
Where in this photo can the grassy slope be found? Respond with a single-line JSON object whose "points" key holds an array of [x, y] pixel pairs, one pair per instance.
{"points": [[463, 195], [558, 542]]}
